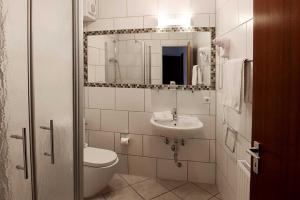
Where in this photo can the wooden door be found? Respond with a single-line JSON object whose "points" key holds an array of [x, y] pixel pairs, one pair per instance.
{"points": [[276, 103]]}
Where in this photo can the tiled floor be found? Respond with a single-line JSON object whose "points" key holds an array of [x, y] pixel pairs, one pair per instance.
{"points": [[129, 187]]}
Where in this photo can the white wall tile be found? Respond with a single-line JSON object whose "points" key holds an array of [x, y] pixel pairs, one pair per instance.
{"points": [[241, 148], [142, 36], [150, 22], [156, 59], [92, 119], [93, 56], [212, 20], [192, 103], [174, 6], [161, 100], [248, 132], [154, 146], [112, 8], [86, 97], [212, 106], [91, 73], [129, 23], [178, 36], [167, 169], [102, 97], [155, 46], [140, 8], [169, 42], [201, 172], [238, 41], [221, 158], [102, 140], [94, 41], [250, 39], [208, 131], [201, 20], [142, 166], [134, 147], [123, 164], [131, 99], [160, 36], [115, 121], [232, 172], [100, 74], [139, 123], [245, 10], [100, 24], [194, 150], [227, 17], [212, 151], [156, 73], [203, 6]]}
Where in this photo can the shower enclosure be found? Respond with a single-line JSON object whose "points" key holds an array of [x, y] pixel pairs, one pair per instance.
{"points": [[43, 109], [127, 61]]}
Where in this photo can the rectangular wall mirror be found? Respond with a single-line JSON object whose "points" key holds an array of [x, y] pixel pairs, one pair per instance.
{"points": [[152, 57]]}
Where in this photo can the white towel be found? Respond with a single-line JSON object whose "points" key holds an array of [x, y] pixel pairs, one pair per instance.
{"points": [[163, 116], [233, 83], [197, 75]]}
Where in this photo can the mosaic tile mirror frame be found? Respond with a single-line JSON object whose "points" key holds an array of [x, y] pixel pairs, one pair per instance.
{"points": [[148, 82]]}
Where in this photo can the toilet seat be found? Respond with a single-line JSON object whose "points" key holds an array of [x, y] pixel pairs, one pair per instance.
{"points": [[95, 157]]}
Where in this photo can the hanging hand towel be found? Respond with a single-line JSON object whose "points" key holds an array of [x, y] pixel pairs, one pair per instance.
{"points": [[233, 83], [197, 75], [163, 116]]}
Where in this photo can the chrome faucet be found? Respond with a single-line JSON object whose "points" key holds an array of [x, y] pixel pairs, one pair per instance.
{"points": [[174, 113]]}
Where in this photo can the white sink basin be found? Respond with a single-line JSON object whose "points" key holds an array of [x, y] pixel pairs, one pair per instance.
{"points": [[183, 127]]}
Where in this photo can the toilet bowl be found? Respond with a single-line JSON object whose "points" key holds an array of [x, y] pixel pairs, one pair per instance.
{"points": [[99, 167]]}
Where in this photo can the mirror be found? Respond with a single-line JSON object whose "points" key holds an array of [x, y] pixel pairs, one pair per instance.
{"points": [[150, 58]]}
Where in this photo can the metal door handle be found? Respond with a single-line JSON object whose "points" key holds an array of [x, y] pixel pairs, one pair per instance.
{"points": [[51, 154], [24, 141], [254, 152]]}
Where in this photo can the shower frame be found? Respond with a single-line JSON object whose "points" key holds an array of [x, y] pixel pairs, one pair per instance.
{"points": [[78, 77]]}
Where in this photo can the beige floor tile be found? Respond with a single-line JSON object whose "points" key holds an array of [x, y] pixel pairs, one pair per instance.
{"points": [[214, 198], [191, 192], [123, 194], [149, 189], [212, 189], [117, 182], [219, 196], [170, 184], [167, 196], [98, 197], [131, 179]]}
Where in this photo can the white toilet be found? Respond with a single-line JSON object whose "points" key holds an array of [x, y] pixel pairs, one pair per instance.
{"points": [[99, 167]]}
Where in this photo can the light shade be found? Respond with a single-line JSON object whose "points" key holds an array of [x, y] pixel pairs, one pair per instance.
{"points": [[174, 20]]}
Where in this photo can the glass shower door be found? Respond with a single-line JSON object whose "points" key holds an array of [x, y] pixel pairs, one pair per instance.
{"points": [[53, 98]]}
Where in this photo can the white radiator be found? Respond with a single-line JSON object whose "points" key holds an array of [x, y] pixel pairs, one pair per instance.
{"points": [[243, 180]]}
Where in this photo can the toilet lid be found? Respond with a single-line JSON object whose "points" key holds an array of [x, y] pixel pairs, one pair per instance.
{"points": [[95, 157]]}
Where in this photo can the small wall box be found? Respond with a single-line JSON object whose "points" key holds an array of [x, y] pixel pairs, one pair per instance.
{"points": [[90, 10]]}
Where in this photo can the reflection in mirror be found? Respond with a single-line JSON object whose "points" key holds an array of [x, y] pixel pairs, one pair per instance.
{"points": [[183, 58]]}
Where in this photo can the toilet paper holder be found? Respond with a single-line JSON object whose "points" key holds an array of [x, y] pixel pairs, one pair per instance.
{"points": [[124, 140]]}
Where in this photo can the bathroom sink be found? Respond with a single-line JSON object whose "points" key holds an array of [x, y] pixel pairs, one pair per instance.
{"points": [[183, 127]]}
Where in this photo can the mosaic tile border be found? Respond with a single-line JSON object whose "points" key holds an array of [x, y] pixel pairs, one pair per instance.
{"points": [[212, 30]]}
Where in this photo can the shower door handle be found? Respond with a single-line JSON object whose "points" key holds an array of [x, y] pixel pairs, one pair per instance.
{"points": [[24, 141], [50, 128]]}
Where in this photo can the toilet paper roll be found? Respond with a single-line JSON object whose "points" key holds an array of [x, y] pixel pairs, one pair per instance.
{"points": [[124, 141]]}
